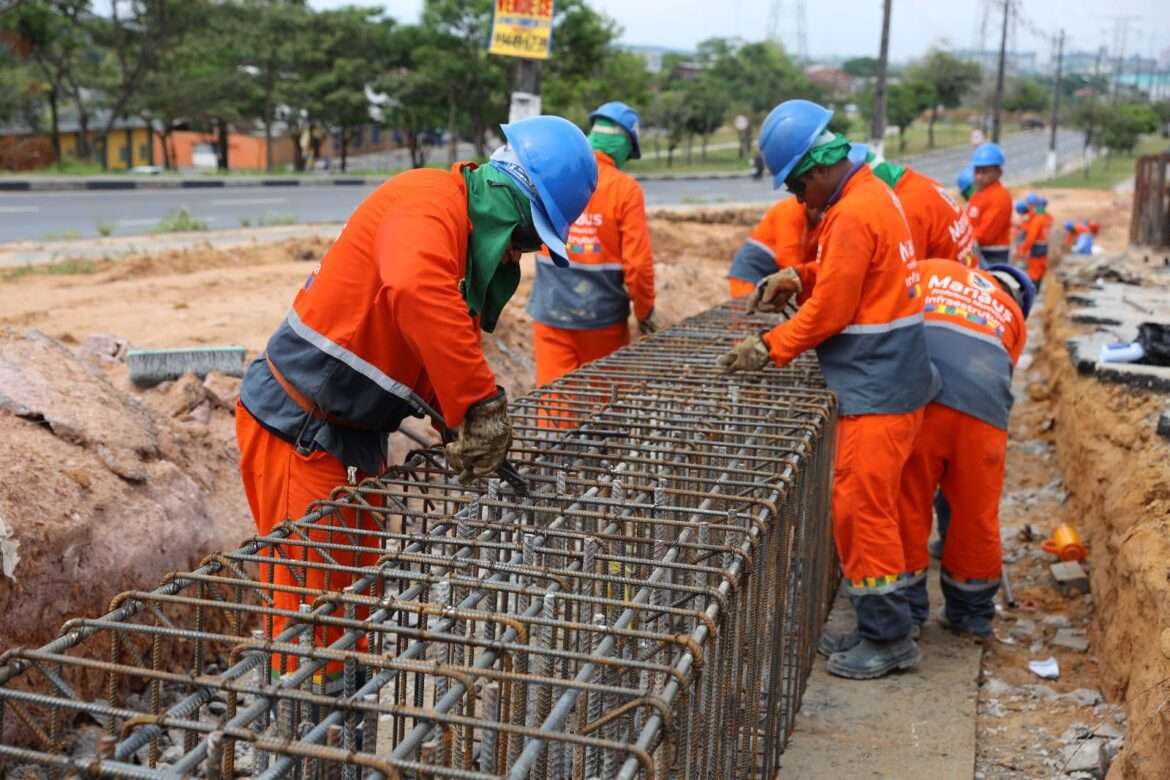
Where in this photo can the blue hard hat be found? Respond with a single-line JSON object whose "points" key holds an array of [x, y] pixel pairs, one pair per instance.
{"points": [[858, 153], [1069, 225], [558, 172], [1021, 206], [1034, 200], [1022, 290], [788, 133], [987, 154], [625, 117], [966, 178]]}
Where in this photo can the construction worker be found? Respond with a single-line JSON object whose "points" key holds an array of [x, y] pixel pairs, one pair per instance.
{"points": [[938, 225], [388, 326], [1033, 249], [990, 208], [1023, 216], [580, 313], [966, 182], [975, 332], [862, 311], [783, 237]]}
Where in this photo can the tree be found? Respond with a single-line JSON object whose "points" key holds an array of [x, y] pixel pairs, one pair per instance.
{"points": [[905, 102], [707, 105], [861, 67], [949, 78], [669, 111], [1027, 95], [1125, 124]]}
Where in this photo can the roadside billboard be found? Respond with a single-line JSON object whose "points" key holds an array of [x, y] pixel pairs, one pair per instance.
{"points": [[522, 28]]}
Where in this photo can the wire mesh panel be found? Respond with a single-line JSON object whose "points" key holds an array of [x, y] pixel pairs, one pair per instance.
{"points": [[649, 608]]}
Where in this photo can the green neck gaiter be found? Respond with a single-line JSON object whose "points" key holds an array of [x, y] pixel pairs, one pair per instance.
{"points": [[495, 207], [885, 170], [606, 136], [830, 149]]}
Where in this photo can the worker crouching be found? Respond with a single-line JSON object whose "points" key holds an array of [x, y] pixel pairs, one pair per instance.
{"points": [[580, 311], [388, 326], [862, 311], [975, 333], [785, 236]]}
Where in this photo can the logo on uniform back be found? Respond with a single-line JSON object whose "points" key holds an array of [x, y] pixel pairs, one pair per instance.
{"points": [[979, 282]]}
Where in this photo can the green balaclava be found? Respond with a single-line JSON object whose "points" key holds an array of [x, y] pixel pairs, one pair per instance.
{"points": [[612, 139], [496, 207], [829, 149], [885, 170]]}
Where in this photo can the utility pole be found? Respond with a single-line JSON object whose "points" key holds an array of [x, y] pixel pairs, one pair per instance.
{"points": [[998, 100], [1055, 106], [877, 129]]}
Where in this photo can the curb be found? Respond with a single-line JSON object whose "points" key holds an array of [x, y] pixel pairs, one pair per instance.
{"points": [[52, 184]]}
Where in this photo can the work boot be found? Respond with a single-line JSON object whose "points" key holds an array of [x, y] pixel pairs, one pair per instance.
{"points": [[962, 629], [870, 659], [839, 643]]}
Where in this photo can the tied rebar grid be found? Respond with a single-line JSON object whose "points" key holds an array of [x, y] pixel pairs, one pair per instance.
{"points": [[649, 610]]}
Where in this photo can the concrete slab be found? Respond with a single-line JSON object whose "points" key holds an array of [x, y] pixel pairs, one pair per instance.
{"points": [[919, 725]]}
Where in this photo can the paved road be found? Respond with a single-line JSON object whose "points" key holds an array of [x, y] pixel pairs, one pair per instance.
{"points": [[47, 215]]}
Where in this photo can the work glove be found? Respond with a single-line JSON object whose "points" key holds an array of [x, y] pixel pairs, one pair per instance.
{"points": [[482, 440], [774, 291], [751, 354], [648, 325]]}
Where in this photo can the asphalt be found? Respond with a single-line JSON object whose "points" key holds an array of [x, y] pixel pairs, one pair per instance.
{"points": [[43, 216]]}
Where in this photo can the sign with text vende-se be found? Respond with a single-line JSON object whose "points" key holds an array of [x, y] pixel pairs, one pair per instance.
{"points": [[522, 28]]}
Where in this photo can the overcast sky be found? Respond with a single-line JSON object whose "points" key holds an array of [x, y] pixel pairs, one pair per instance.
{"points": [[854, 26]]}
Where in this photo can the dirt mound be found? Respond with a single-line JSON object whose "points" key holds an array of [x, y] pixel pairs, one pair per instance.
{"points": [[1118, 473]]}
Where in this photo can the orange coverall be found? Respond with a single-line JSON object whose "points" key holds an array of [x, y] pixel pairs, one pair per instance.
{"points": [[580, 313], [990, 211], [781, 238], [863, 313], [975, 333], [378, 332], [938, 225], [1034, 247]]}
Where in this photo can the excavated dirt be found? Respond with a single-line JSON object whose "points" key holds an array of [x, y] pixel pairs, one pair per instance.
{"points": [[108, 487]]}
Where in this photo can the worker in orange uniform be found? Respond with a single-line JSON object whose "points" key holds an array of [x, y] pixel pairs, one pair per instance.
{"points": [[862, 311], [1023, 216], [939, 226], [785, 236], [1033, 250], [388, 326], [990, 208], [975, 332], [580, 313]]}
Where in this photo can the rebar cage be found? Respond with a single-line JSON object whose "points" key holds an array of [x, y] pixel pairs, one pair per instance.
{"points": [[649, 610]]}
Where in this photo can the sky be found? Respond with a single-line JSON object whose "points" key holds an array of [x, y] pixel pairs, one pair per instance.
{"points": [[853, 27]]}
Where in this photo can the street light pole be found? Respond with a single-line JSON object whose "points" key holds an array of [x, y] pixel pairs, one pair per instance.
{"points": [[877, 130], [1055, 106], [998, 104]]}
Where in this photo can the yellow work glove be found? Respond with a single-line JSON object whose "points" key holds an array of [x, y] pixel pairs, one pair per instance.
{"points": [[751, 354], [774, 291], [482, 439]]}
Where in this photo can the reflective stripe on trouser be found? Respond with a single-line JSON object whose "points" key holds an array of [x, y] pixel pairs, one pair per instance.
{"points": [[871, 451], [737, 288], [281, 484], [559, 351], [966, 457]]}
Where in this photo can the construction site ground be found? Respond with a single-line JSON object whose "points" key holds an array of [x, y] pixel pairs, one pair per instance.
{"points": [[105, 487]]}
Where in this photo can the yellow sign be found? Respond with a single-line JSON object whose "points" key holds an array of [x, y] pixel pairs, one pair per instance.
{"points": [[522, 28]]}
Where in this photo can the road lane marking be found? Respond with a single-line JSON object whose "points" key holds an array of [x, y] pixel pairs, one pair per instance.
{"points": [[247, 201], [19, 209]]}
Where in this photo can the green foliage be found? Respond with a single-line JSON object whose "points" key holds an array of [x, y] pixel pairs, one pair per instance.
{"points": [[905, 102], [861, 67], [1026, 94], [180, 221], [105, 229], [1125, 124]]}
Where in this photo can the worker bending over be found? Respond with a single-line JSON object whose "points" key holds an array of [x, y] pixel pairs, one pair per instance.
{"points": [[863, 314], [990, 208], [975, 332], [388, 326], [1033, 249], [580, 313], [785, 236], [938, 225]]}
